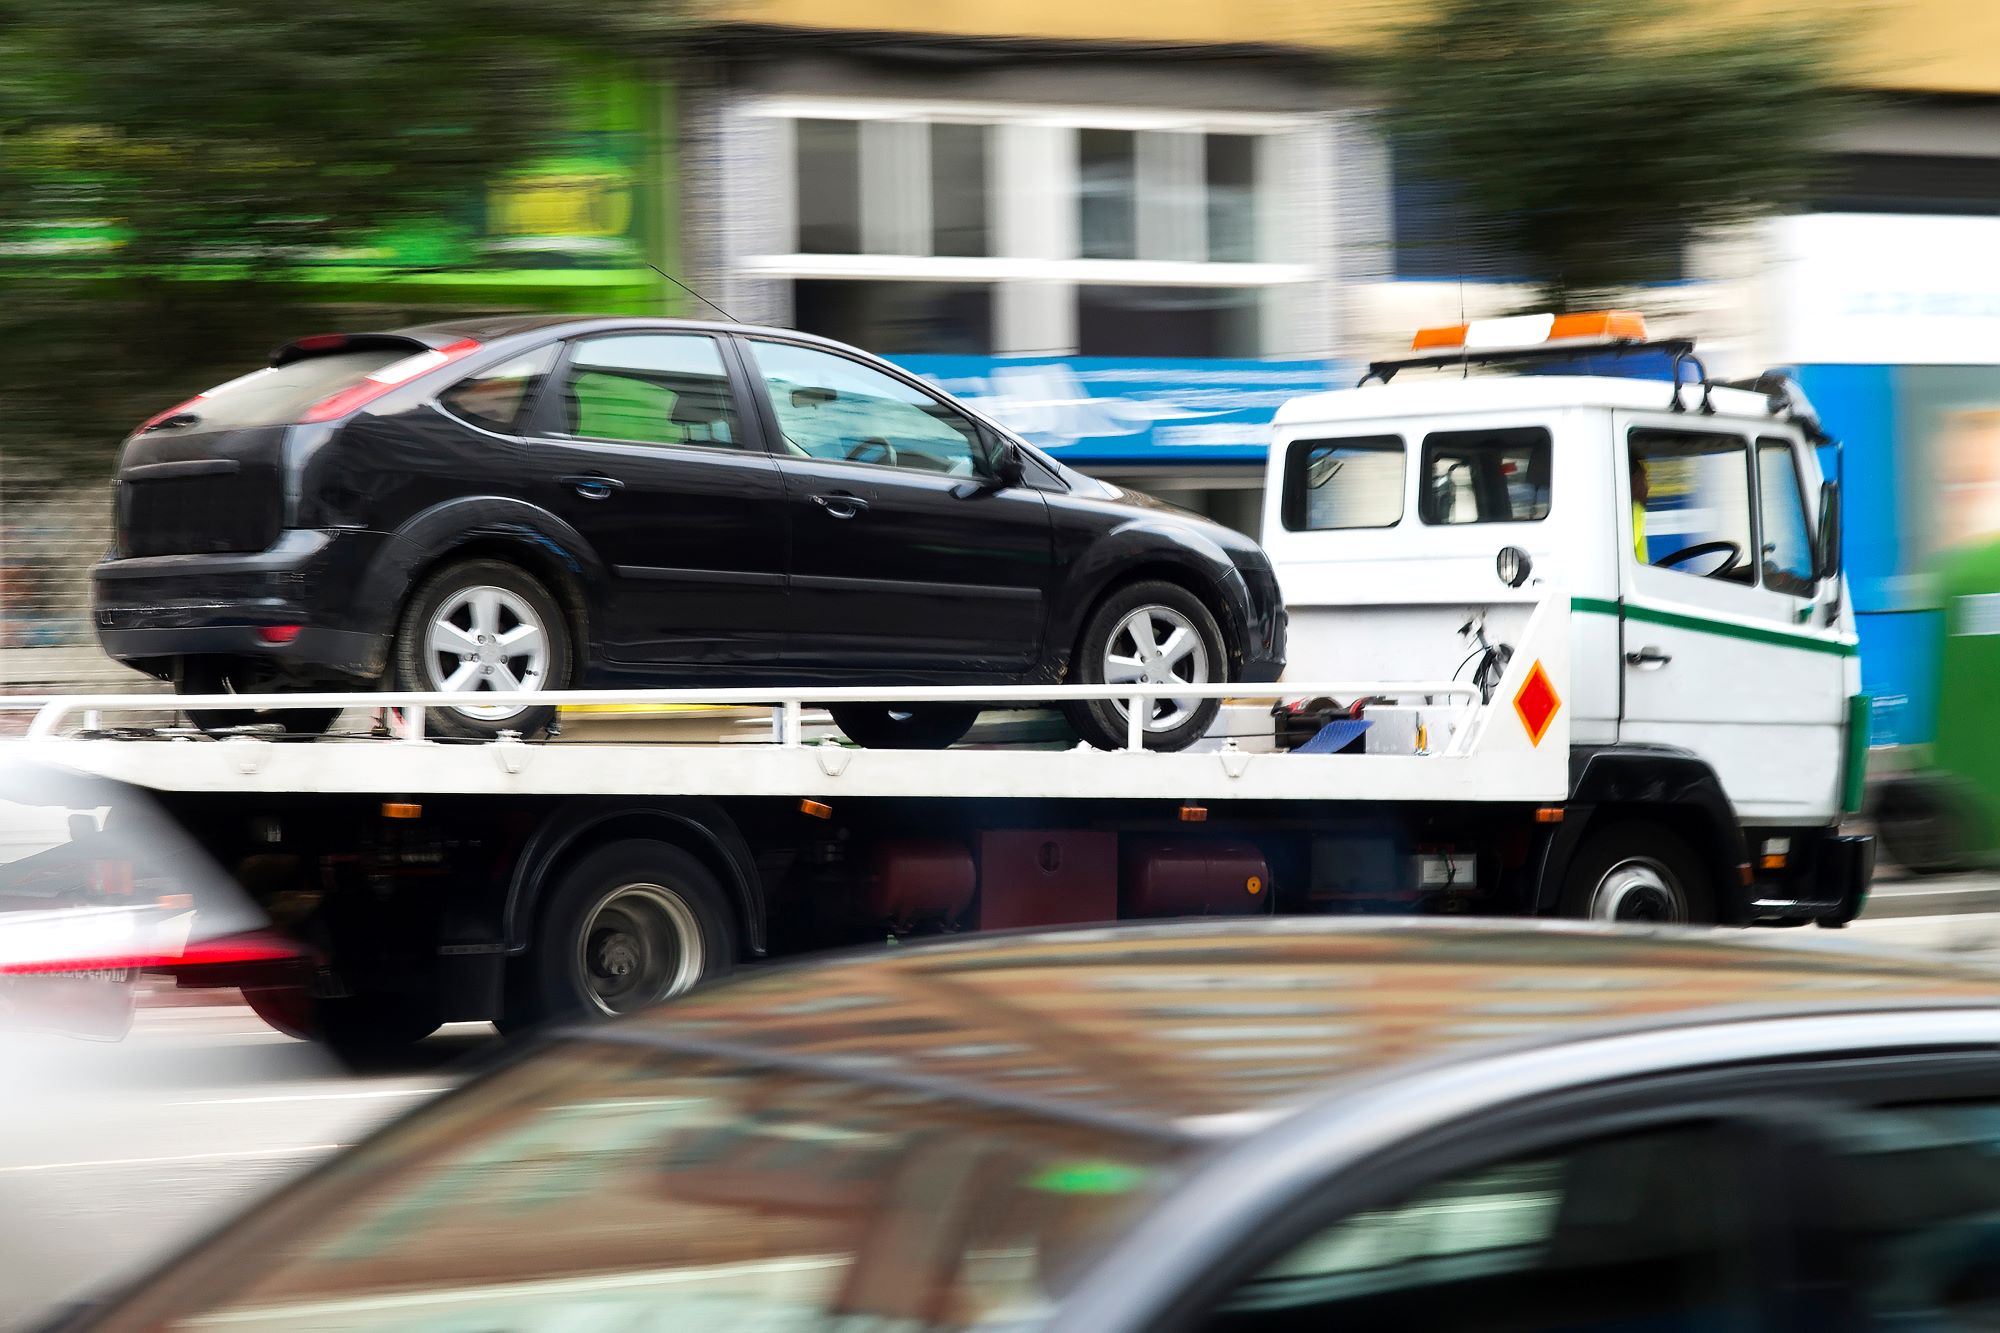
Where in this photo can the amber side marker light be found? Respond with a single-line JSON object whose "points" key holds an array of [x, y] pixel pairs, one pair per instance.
{"points": [[1194, 814], [1549, 814], [817, 809], [401, 810]]}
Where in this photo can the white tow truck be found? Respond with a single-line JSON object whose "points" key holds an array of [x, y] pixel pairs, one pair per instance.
{"points": [[1561, 644]]}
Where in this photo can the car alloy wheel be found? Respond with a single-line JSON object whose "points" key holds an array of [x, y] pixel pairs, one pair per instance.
{"points": [[487, 640], [1157, 645]]}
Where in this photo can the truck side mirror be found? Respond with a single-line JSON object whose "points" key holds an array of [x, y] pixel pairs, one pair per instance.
{"points": [[1826, 560]]}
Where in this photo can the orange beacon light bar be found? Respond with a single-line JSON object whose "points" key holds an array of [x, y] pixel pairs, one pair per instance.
{"points": [[1527, 332]]}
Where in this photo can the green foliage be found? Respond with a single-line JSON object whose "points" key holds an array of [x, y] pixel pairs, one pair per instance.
{"points": [[218, 141], [1591, 140]]}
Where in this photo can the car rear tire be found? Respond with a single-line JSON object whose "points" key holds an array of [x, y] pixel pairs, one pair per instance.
{"points": [[880, 727], [1149, 632], [1636, 871], [629, 925], [485, 628], [202, 675]]}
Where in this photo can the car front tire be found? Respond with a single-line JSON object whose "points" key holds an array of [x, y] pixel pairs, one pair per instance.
{"points": [[1152, 632], [882, 727]]}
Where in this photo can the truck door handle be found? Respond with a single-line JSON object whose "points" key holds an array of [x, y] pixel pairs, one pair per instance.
{"points": [[841, 505], [593, 487], [1648, 658]]}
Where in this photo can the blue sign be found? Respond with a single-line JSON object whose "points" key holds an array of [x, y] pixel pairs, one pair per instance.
{"points": [[1096, 410]]}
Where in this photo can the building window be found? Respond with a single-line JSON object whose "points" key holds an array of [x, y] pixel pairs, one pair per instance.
{"points": [[1167, 321], [1231, 168], [898, 318], [828, 156], [1107, 194], [1131, 234], [1909, 183], [959, 205]]}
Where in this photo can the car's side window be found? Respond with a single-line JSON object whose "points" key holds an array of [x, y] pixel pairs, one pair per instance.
{"points": [[831, 407], [1485, 476], [649, 388], [1691, 503], [1646, 1230], [496, 398], [1913, 1216], [1781, 503]]}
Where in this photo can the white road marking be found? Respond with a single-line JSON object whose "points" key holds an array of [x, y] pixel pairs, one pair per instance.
{"points": [[298, 1151]]}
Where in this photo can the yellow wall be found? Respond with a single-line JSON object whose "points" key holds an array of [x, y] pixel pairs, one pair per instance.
{"points": [[1945, 46]]}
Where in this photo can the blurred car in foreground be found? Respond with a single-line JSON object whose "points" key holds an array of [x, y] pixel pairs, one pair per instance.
{"points": [[97, 889], [1250, 1128]]}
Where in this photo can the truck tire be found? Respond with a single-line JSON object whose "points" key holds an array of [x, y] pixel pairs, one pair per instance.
{"points": [[629, 925], [1637, 871], [357, 1028], [1925, 826], [931, 727], [1117, 648], [461, 629]]}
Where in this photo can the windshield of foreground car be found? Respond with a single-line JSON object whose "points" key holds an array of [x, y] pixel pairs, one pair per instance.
{"points": [[601, 1186]]}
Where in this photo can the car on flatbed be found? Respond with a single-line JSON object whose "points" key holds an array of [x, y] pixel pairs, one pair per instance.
{"points": [[494, 506], [1458, 1127]]}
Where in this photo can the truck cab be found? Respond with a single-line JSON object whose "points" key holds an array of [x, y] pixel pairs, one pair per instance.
{"points": [[1688, 523]]}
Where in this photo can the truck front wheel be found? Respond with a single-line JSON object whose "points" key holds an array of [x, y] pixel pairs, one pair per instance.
{"points": [[629, 925], [1637, 871]]}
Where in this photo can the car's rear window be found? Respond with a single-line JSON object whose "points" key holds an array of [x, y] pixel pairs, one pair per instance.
{"points": [[279, 395], [617, 1186]]}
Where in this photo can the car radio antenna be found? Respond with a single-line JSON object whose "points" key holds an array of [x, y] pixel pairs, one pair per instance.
{"points": [[692, 292]]}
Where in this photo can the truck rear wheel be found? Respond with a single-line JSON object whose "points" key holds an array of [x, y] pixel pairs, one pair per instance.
{"points": [[629, 925], [1637, 871], [357, 1028]]}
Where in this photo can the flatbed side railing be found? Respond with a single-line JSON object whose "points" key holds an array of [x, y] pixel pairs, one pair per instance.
{"points": [[787, 705]]}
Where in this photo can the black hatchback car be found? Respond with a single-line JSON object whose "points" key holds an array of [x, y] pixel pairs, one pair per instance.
{"points": [[1444, 1127], [540, 503]]}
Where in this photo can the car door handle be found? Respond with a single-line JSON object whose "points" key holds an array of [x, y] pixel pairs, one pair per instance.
{"points": [[1648, 658], [840, 505], [592, 487]]}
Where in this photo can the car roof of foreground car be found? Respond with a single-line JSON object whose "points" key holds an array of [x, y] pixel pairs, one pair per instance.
{"points": [[1221, 1026]]}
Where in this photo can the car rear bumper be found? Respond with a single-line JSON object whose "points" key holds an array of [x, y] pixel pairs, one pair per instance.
{"points": [[151, 609]]}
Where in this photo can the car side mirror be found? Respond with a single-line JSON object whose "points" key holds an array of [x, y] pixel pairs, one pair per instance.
{"points": [[1006, 468], [1826, 560]]}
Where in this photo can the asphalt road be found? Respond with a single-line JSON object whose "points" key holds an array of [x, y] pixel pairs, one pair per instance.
{"points": [[111, 1155]]}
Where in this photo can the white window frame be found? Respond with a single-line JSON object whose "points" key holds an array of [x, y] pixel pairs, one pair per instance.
{"points": [[1031, 167]]}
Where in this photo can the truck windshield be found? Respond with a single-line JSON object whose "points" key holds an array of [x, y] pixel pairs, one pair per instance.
{"points": [[619, 1186]]}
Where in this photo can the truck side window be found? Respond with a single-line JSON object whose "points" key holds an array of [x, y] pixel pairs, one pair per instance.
{"points": [[1485, 476], [1691, 503], [1350, 483], [1781, 503]]}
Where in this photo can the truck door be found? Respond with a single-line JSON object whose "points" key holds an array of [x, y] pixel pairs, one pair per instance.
{"points": [[1723, 652]]}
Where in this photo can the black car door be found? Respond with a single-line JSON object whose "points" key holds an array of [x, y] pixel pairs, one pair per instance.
{"points": [[642, 444], [908, 560]]}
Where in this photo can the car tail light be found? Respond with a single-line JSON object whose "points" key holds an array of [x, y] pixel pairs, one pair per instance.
{"points": [[225, 951], [394, 375], [278, 633]]}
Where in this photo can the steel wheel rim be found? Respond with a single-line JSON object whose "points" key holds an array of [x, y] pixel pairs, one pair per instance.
{"points": [[486, 640], [639, 945], [1157, 645], [1638, 888]]}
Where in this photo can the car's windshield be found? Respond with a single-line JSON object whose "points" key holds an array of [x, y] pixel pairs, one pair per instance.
{"points": [[614, 1186]]}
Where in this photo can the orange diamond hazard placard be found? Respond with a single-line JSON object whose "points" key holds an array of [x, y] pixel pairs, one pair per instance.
{"points": [[1537, 703]]}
